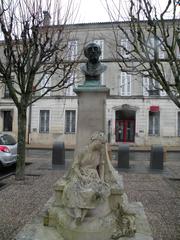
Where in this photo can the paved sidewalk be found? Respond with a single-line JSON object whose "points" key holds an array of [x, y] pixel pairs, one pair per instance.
{"points": [[158, 191]]}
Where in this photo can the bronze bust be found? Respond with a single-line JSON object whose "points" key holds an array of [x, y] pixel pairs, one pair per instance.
{"points": [[93, 68]]}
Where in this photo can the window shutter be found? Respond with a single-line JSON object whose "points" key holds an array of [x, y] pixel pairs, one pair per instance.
{"points": [[161, 52], [72, 50], [47, 121], [154, 123], [160, 48], [150, 47], [45, 84], [72, 80], [145, 86], [124, 45], [178, 123], [67, 122], [125, 84], [101, 44], [102, 79], [73, 121], [163, 92], [128, 84], [122, 84], [177, 51]]}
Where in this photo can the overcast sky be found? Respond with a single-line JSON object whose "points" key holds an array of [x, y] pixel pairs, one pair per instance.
{"points": [[94, 10]]}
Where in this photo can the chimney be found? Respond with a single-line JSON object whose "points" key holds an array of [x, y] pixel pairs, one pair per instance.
{"points": [[47, 17]]}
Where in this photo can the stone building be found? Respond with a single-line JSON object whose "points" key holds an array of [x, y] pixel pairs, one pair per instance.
{"points": [[136, 112]]}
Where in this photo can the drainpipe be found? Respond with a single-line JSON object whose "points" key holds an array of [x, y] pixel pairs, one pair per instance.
{"points": [[29, 123]]}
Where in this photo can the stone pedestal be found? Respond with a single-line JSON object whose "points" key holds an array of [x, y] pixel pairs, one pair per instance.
{"points": [[37, 231], [91, 111]]}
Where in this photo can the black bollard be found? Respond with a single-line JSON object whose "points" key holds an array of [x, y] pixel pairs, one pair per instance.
{"points": [[123, 156], [58, 154], [157, 157]]}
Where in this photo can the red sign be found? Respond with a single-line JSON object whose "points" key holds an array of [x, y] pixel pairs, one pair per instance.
{"points": [[154, 108]]}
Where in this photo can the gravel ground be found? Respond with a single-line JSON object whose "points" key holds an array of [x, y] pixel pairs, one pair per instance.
{"points": [[21, 201]]}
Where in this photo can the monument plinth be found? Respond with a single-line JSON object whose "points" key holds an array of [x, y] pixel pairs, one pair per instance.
{"points": [[89, 201], [91, 112]]}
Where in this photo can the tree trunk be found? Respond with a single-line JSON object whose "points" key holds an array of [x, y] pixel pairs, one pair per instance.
{"points": [[21, 150]]}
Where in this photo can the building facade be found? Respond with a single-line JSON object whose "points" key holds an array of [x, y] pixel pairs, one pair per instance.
{"points": [[136, 112]]}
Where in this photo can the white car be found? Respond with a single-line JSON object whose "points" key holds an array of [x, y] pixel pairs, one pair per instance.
{"points": [[8, 150]]}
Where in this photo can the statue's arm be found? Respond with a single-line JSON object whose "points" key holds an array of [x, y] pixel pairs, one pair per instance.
{"points": [[102, 170], [77, 165]]}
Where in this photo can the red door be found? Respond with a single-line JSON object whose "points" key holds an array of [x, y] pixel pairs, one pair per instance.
{"points": [[125, 130]]}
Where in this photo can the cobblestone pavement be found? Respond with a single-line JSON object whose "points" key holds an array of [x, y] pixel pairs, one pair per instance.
{"points": [[158, 191]]}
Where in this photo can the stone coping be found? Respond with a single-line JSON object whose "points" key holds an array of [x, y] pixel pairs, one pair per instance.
{"points": [[91, 88]]}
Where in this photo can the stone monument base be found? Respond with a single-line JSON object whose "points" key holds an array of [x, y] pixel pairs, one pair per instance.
{"points": [[90, 203], [37, 231]]}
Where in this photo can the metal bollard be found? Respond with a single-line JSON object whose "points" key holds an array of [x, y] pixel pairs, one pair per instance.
{"points": [[58, 153], [123, 156], [157, 157]]}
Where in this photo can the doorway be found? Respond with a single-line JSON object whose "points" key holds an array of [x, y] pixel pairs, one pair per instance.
{"points": [[125, 126]]}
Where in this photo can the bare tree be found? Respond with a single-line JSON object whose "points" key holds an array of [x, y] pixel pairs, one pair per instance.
{"points": [[34, 48], [151, 46]]}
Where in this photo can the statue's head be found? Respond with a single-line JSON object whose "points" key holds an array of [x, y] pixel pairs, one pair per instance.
{"points": [[92, 51], [98, 136]]}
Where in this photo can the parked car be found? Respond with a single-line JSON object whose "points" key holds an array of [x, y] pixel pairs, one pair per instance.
{"points": [[8, 150]]}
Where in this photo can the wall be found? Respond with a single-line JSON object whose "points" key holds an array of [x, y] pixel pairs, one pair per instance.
{"points": [[57, 109]]}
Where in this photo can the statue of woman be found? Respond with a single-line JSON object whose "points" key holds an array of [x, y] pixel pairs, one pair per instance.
{"points": [[92, 198], [86, 187]]}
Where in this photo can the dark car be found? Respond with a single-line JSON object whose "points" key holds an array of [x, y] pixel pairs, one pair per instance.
{"points": [[8, 150]]}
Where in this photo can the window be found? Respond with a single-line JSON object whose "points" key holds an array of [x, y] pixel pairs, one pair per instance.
{"points": [[154, 123], [155, 46], [7, 121], [71, 80], [101, 44], [125, 84], [150, 87], [153, 87], [72, 50], [178, 123], [161, 50], [44, 121], [45, 84], [6, 92], [70, 119]]}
